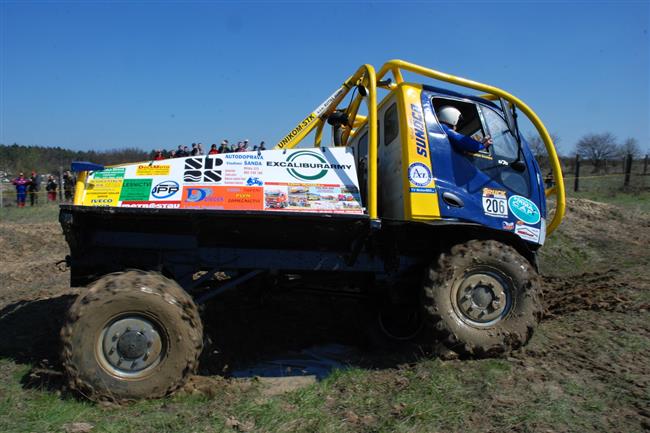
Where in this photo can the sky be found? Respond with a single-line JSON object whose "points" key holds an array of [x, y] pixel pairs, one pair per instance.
{"points": [[105, 75]]}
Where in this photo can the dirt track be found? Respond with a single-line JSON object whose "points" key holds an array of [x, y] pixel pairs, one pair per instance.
{"points": [[595, 329]]}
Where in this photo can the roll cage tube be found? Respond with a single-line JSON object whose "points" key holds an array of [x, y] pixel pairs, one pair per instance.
{"points": [[366, 76]]}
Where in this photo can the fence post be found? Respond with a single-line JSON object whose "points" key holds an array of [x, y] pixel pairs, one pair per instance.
{"points": [[60, 183], [645, 165], [576, 183], [628, 169]]}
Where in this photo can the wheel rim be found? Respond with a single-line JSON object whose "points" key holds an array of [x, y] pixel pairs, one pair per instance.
{"points": [[482, 298], [130, 346]]}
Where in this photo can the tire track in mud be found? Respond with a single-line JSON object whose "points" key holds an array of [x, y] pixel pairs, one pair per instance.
{"points": [[589, 291]]}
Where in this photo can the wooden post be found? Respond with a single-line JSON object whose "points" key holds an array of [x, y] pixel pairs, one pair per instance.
{"points": [[60, 183], [577, 179], [628, 169], [645, 165]]}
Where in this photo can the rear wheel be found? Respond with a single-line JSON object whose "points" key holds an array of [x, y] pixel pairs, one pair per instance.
{"points": [[482, 299], [133, 335]]}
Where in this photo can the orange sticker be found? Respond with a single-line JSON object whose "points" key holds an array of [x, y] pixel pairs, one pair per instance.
{"points": [[223, 197]]}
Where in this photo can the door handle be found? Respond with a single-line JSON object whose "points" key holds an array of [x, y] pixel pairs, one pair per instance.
{"points": [[452, 199]]}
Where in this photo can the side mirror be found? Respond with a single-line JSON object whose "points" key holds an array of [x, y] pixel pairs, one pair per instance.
{"points": [[518, 165]]}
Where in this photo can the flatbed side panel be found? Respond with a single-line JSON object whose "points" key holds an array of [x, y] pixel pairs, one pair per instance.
{"points": [[106, 240]]}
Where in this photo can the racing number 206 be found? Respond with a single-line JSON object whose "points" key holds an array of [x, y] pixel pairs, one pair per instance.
{"points": [[495, 206]]}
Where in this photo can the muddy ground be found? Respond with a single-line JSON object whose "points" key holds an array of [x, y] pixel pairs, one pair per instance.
{"points": [[595, 332]]}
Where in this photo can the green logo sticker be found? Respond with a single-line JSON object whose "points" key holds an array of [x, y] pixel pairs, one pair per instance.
{"points": [[306, 165], [135, 190], [110, 173]]}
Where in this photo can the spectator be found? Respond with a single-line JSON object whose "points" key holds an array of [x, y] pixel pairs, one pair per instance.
{"points": [[195, 150], [51, 188], [180, 153], [240, 147], [223, 148], [33, 187], [186, 151], [213, 150], [200, 147], [21, 189], [261, 146], [158, 155], [172, 154], [68, 185]]}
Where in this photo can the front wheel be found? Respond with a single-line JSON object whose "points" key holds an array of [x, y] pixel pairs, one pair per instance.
{"points": [[133, 335], [482, 299]]}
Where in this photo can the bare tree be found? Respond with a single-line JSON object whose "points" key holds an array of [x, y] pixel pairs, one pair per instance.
{"points": [[598, 148], [631, 147], [538, 147]]}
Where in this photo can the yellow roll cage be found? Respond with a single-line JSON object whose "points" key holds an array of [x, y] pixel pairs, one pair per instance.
{"points": [[365, 76]]}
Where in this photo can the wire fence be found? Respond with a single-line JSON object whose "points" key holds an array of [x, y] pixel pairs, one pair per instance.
{"points": [[624, 175], [9, 197]]}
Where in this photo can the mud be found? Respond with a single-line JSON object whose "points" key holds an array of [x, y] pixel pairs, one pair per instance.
{"points": [[266, 336]]}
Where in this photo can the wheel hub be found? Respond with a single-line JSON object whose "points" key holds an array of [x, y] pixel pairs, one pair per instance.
{"points": [[130, 345], [482, 298]]}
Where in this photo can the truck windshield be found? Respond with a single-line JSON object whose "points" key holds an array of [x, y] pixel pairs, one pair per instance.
{"points": [[505, 145]]}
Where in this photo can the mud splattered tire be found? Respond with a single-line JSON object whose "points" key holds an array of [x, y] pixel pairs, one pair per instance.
{"points": [[132, 335], [482, 299]]}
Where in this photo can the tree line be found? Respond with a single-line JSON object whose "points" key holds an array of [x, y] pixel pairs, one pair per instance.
{"points": [[18, 158], [595, 148]]}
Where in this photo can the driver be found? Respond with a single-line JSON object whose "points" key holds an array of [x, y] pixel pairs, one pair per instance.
{"points": [[449, 117]]}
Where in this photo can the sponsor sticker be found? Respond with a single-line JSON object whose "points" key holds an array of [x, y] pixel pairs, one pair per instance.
{"points": [[204, 169], [102, 192], [135, 189], [223, 197], [507, 225], [110, 173], [152, 170], [419, 174], [524, 209], [153, 204], [307, 165], [495, 203], [527, 232], [165, 189], [542, 232]]}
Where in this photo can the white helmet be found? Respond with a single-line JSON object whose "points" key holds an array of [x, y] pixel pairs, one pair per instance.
{"points": [[449, 114]]}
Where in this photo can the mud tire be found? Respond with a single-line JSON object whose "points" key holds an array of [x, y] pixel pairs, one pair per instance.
{"points": [[460, 333], [143, 294]]}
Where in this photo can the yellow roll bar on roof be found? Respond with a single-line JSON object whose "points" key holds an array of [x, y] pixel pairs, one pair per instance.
{"points": [[366, 77]]}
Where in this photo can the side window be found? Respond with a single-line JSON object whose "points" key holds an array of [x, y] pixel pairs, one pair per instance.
{"points": [[391, 125], [362, 147]]}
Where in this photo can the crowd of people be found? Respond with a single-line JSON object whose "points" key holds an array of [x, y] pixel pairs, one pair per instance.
{"points": [[197, 149], [31, 186]]}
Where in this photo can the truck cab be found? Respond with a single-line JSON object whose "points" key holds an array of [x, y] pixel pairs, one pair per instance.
{"points": [[424, 177]]}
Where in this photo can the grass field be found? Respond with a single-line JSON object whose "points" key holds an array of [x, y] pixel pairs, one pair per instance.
{"points": [[586, 369]]}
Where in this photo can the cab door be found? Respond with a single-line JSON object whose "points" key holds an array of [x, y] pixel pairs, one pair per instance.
{"points": [[391, 191], [484, 187]]}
